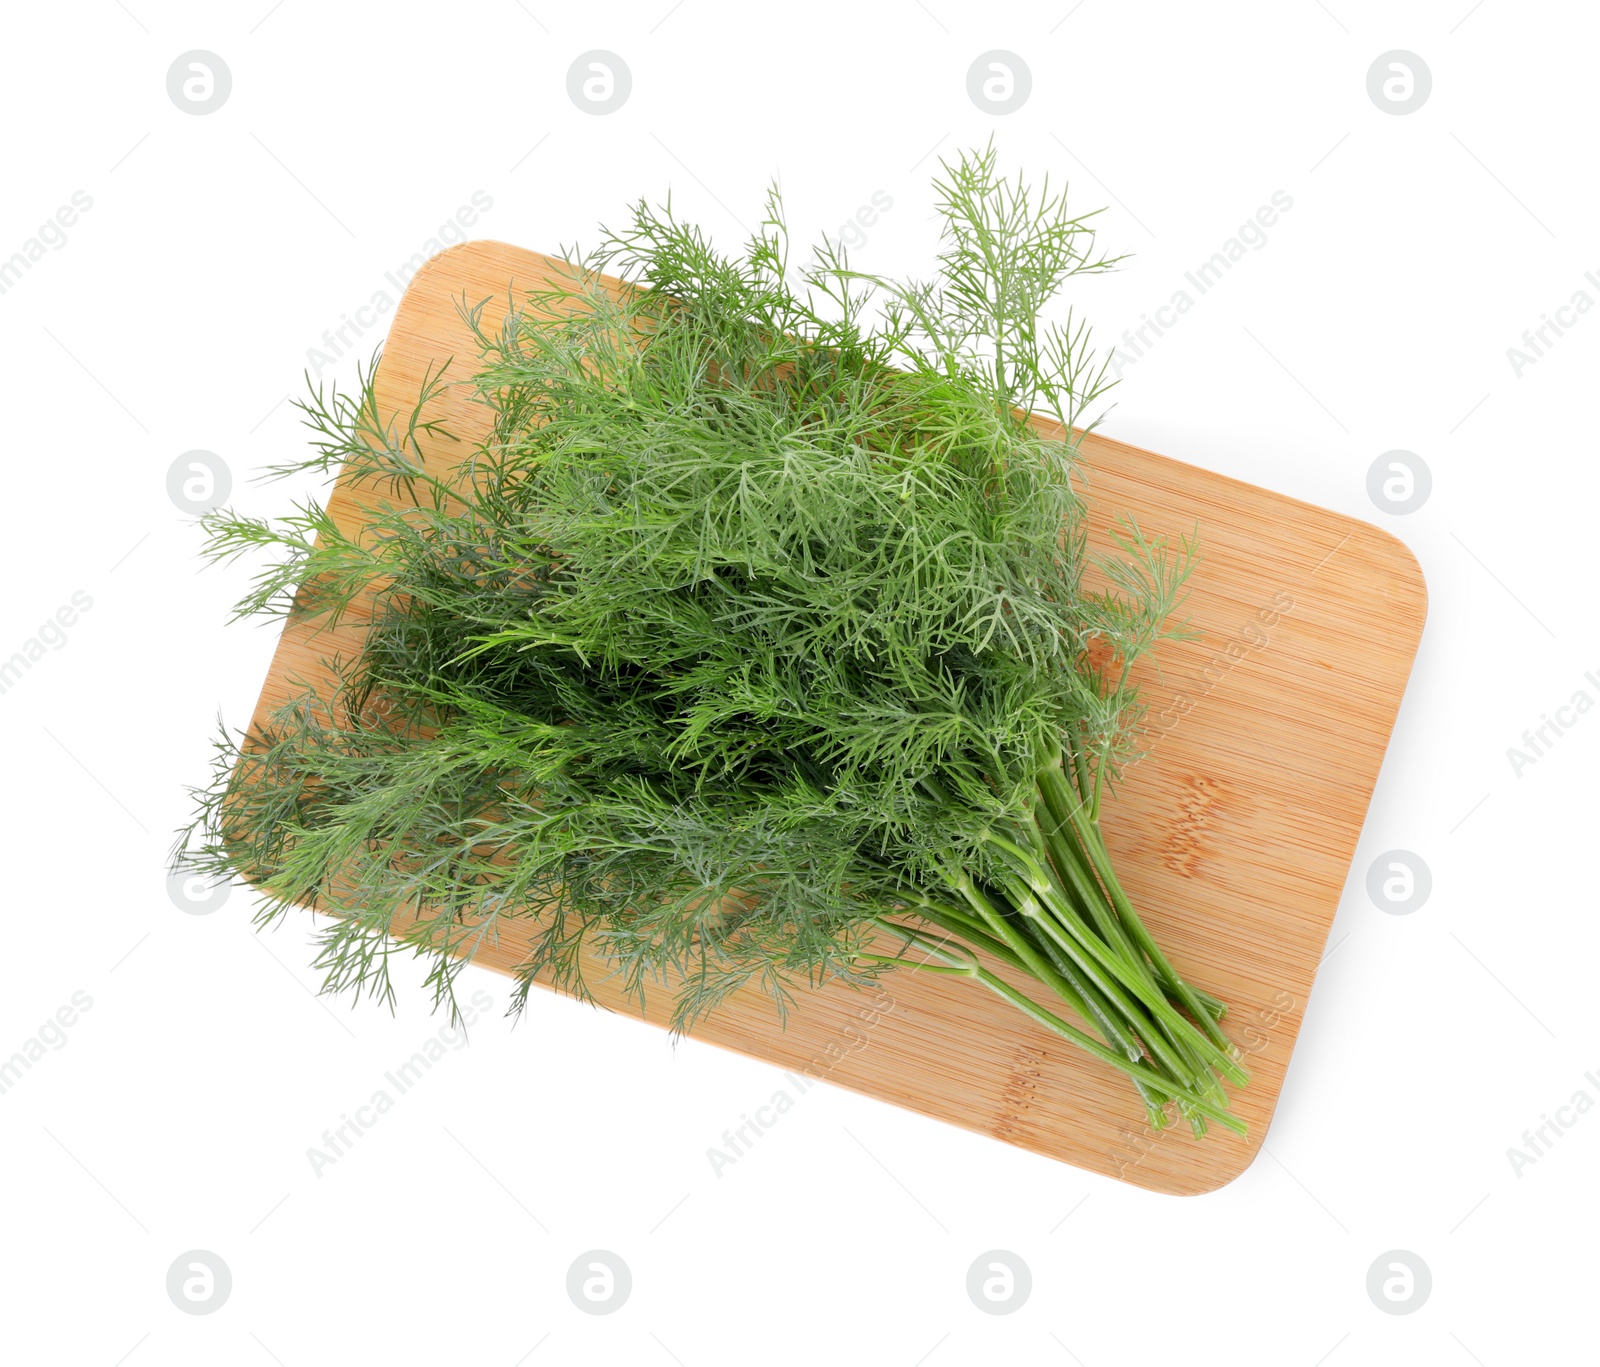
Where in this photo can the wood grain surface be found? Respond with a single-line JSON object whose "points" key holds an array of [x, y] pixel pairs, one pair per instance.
{"points": [[1233, 834]]}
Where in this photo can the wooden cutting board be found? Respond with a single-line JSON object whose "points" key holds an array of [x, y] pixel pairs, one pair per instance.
{"points": [[1233, 835]]}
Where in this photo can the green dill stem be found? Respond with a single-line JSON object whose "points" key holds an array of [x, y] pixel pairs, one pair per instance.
{"points": [[1104, 1015], [1181, 1080], [1054, 854], [896, 961], [1155, 1001], [959, 961], [1089, 1004], [1080, 888], [1094, 842], [1172, 1050], [1025, 955], [1000, 926], [1072, 863], [1104, 1018], [1078, 837], [1028, 906], [968, 931], [1093, 1046], [968, 928], [1169, 1039], [1065, 855], [1168, 1036], [1080, 768], [1171, 1043]]}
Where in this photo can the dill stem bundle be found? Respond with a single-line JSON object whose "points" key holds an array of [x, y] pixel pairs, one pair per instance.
{"points": [[757, 644]]}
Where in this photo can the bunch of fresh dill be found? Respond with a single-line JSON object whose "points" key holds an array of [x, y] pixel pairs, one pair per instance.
{"points": [[753, 645]]}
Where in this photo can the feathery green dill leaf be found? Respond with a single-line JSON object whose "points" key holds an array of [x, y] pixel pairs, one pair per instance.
{"points": [[751, 647]]}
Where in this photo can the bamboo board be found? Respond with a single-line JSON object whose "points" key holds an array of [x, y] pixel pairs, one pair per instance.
{"points": [[1233, 835]]}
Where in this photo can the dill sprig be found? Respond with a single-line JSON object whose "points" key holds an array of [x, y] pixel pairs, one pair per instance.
{"points": [[753, 645]]}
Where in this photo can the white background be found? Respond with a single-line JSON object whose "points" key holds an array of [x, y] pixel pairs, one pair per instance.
{"points": [[178, 1112]]}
